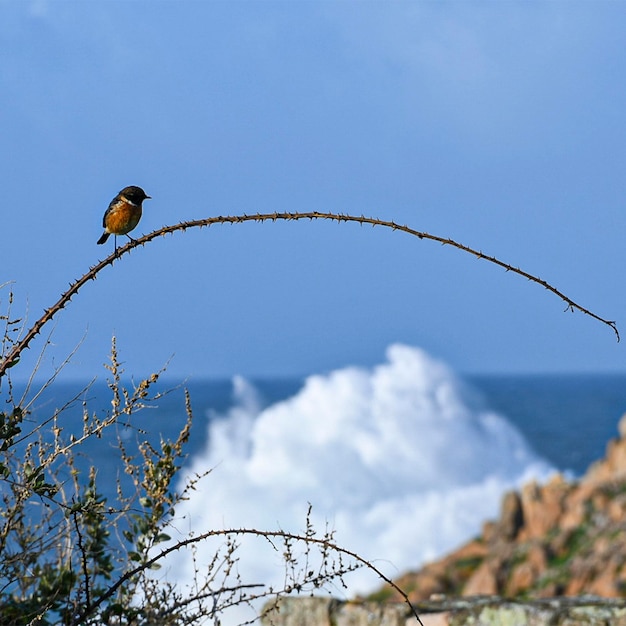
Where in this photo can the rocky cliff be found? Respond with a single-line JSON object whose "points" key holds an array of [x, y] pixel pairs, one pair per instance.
{"points": [[558, 539]]}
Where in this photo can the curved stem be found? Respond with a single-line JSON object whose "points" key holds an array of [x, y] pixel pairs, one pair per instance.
{"points": [[14, 354]]}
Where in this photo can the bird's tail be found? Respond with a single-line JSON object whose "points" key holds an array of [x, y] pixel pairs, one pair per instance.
{"points": [[104, 237]]}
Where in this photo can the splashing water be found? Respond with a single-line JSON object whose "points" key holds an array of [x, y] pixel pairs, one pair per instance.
{"points": [[403, 461]]}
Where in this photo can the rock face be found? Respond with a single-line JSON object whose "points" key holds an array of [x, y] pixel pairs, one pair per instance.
{"points": [[557, 539]]}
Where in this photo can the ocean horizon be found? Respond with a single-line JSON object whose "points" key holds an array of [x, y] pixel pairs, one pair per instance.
{"points": [[567, 418]]}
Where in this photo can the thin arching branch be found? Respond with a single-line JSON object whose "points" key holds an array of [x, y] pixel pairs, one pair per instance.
{"points": [[14, 354], [237, 532]]}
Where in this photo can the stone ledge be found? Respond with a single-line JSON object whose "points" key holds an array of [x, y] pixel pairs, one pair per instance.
{"points": [[470, 611]]}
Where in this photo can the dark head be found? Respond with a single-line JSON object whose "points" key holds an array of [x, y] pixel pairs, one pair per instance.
{"points": [[135, 194]]}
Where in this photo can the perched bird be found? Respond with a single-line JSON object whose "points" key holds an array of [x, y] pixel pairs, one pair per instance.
{"points": [[123, 213]]}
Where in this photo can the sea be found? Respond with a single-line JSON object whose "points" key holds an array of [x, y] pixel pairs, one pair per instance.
{"points": [[402, 462]]}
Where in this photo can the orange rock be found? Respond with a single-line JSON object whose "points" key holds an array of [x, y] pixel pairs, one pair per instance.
{"points": [[613, 466], [525, 574], [542, 507], [605, 584], [616, 509], [522, 578], [489, 531], [538, 558], [511, 517], [470, 550], [581, 574], [482, 582]]}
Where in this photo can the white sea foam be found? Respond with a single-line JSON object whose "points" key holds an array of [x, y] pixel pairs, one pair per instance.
{"points": [[403, 461]]}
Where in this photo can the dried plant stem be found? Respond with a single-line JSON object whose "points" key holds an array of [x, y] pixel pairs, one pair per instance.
{"points": [[236, 532], [83, 559], [14, 354]]}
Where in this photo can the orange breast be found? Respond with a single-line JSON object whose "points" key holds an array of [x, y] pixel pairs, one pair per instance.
{"points": [[122, 218]]}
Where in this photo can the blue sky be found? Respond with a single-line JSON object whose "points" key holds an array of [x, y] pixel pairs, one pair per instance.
{"points": [[499, 124]]}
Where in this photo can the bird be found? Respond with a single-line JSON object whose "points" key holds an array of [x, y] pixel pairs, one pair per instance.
{"points": [[123, 213]]}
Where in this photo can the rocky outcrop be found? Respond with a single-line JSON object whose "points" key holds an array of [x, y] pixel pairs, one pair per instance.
{"points": [[481, 611], [555, 557], [557, 539]]}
